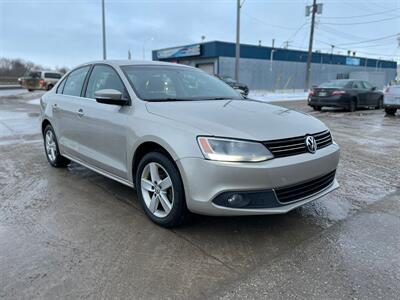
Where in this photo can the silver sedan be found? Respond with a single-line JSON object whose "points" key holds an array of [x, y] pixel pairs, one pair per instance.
{"points": [[186, 141]]}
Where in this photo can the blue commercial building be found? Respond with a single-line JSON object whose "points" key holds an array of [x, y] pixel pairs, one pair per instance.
{"points": [[277, 68]]}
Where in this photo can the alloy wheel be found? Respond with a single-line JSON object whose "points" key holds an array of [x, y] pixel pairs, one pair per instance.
{"points": [[51, 146], [157, 189]]}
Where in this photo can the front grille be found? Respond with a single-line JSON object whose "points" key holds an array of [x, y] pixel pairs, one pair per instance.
{"points": [[305, 189], [296, 145]]}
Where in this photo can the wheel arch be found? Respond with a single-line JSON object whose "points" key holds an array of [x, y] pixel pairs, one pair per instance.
{"points": [[147, 147], [354, 99], [45, 122]]}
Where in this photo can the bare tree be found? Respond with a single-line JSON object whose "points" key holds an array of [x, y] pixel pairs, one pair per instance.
{"points": [[16, 67]]}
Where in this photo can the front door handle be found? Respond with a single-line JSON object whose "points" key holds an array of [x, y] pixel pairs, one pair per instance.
{"points": [[80, 113]]}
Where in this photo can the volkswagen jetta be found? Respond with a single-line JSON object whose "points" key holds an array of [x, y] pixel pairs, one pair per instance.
{"points": [[186, 141]]}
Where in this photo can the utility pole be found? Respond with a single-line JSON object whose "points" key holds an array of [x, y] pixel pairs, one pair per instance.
{"points": [[144, 47], [104, 30], [286, 44], [237, 58], [310, 44]]}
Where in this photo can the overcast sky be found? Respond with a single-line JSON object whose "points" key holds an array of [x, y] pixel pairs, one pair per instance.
{"points": [[68, 32]]}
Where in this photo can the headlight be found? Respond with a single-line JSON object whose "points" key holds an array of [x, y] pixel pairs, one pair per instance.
{"points": [[233, 150]]}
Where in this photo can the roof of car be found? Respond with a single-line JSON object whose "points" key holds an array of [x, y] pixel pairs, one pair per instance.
{"points": [[39, 70], [133, 63]]}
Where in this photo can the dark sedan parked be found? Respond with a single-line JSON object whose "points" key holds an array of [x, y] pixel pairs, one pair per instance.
{"points": [[241, 87], [346, 93]]}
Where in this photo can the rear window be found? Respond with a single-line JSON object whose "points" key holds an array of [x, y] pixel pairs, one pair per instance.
{"points": [[34, 74], [335, 84], [52, 75], [74, 83]]}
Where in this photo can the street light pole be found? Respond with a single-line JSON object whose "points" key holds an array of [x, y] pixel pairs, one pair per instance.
{"points": [[237, 40], [308, 67], [104, 30], [144, 47]]}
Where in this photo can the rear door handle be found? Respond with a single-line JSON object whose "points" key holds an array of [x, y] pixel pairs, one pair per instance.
{"points": [[80, 113]]}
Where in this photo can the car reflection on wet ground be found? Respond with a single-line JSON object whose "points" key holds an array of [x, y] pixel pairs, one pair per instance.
{"points": [[75, 234]]}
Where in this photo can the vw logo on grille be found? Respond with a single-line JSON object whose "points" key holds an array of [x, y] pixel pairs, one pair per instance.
{"points": [[311, 144]]}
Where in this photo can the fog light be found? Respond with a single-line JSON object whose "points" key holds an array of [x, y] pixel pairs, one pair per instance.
{"points": [[237, 200]]}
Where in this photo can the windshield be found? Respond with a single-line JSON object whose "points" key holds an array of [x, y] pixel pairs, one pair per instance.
{"points": [[228, 79], [335, 84], [163, 83]]}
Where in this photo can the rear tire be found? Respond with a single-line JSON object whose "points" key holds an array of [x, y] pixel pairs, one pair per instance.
{"points": [[353, 105], [160, 190], [317, 108], [390, 111], [51, 149], [30, 90]]}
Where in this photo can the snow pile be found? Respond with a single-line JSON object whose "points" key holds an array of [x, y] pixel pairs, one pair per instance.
{"points": [[34, 102], [278, 96]]}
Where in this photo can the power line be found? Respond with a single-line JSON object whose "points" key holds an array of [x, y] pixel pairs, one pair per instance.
{"points": [[297, 31], [362, 16], [338, 33], [362, 42], [371, 40], [267, 24], [361, 23], [375, 45]]}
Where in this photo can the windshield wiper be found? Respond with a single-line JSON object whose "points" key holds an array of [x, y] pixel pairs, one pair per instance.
{"points": [[219, 98], [189, 99], [167, 99]]}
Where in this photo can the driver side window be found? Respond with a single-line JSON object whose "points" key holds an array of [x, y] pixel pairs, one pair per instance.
{"points": [[367, 85], [104, 77], [357, 85]]}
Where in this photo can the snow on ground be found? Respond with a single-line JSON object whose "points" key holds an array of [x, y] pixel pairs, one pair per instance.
{"points": [[34, 101], [278, 96], [12, 92]]}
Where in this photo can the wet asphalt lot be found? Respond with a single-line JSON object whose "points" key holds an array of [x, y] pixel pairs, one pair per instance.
{"points": [[73, 234]]}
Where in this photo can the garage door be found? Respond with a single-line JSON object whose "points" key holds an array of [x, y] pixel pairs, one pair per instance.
{"points": [[209, 68]]}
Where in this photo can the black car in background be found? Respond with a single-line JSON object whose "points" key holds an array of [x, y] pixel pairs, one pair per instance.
{"points": [[241, 87], [346, 93]]}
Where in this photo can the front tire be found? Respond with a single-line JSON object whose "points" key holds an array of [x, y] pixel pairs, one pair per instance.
{"points": [[390, 111], [353, 105], [52, 151], [160, 190], [317, 108]]}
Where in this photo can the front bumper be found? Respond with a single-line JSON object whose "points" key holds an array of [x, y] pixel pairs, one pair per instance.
{"points": [[204, 180], [391, 101]]}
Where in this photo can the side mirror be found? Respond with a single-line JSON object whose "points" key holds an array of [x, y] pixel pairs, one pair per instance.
{"points": [[373, 89], [110, 96]]}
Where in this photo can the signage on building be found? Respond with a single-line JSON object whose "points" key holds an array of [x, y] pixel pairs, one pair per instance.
{"points": [[192, 50], [352, 61]]}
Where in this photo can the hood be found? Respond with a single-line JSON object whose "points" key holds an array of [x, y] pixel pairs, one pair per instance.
{"points": [[244, 119]]}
